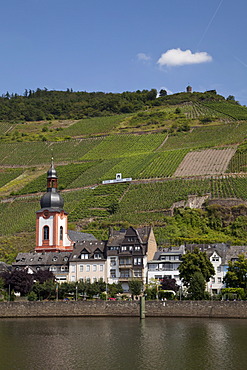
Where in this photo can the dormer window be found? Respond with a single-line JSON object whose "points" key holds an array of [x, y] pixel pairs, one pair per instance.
{"points": [[97, 256], [54, 258], [124, 249], [84, 256], [137, 248]]}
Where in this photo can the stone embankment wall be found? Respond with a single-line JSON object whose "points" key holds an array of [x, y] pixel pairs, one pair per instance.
{"points": [[214, 309]]}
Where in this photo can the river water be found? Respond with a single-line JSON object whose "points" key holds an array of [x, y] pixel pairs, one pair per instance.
{"points": [[123, 343]]}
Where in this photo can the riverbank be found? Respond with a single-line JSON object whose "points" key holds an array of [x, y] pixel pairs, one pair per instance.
{"points": [[212, 309]]}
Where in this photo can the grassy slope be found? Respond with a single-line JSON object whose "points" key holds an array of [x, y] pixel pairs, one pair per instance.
{"points": [[181, 127]]}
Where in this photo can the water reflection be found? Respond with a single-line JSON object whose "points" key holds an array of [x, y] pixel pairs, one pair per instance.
{"points": [[123, 343]]}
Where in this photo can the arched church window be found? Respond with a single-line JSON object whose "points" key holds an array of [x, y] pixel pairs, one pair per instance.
{"points": [[61, 232], [46, 232]]}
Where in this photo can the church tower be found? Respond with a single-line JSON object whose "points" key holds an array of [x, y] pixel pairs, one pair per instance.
{"points": [[52, 220]]}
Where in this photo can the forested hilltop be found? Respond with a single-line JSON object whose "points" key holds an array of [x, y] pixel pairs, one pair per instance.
{"points": [[186, 154], [43, 104]]}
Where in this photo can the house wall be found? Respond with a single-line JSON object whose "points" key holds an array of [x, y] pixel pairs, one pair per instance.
{"points": [[80, 270], [152, 246]]}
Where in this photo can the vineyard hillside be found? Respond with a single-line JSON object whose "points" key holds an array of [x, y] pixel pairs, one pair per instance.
{"points": [[173, 147]]}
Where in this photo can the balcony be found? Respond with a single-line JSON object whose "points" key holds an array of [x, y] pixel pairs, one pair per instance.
{"points": [[125, 265], [124, 278]]}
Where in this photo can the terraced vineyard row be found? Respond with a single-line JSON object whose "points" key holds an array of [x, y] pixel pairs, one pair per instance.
{"points": [[92, 126], [5, 127], [117, 146], [231, 109], [205, 137], [9, 174], [138, 203], [159, 196], [197, 110]]}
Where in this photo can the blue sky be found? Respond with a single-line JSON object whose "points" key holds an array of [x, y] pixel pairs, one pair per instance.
{"points": [[115, 46]]}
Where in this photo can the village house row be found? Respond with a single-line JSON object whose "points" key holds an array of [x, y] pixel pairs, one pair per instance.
{"points": [[127, 254]]}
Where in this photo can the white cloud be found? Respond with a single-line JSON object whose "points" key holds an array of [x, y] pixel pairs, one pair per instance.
{"points": [[178, 57], [144, 57]]}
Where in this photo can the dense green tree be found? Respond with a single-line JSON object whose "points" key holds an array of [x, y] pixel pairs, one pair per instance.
{"points": [[114, 289], [192, 262], [236, 276], [135, 286], [197, 286], [162, 93]]}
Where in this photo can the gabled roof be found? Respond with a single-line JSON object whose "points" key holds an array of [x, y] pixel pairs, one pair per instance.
{"points": [[117, 238], [90, 247]]}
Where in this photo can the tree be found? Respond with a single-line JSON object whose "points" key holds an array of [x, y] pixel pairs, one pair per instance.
{"points": [[193, 262], [197, 286], [162, 93], [113, 289], [43, 275], [18, 280], [236, 276], [135, 286], [231, 98], [168, 284]]}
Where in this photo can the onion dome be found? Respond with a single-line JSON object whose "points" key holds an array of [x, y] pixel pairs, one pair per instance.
{"points": [[52, 199], [52, 173]]}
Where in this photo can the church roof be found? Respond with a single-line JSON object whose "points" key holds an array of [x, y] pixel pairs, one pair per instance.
{"points": [[52, 199], [78, 237]]}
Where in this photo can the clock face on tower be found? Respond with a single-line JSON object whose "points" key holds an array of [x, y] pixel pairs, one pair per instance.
{"points": [[46, 214]]}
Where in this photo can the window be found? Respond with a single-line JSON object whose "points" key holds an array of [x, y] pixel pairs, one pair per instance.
{"points": [[97, 256], [72, 268], [113, 261], [101, 267], [219, 279], [94, 280], [94, 267], [138, 273], [46, 232], [64, 268], [88, 280], [54, 258], [213, 280], [61, 232], [124, 248], [53, 268], [219, 269], [153, 267], [124, 274], [137, 248], [138, 261], [112, 273], [84, 256], [88, 268], [215, 259], [81, 268]]}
